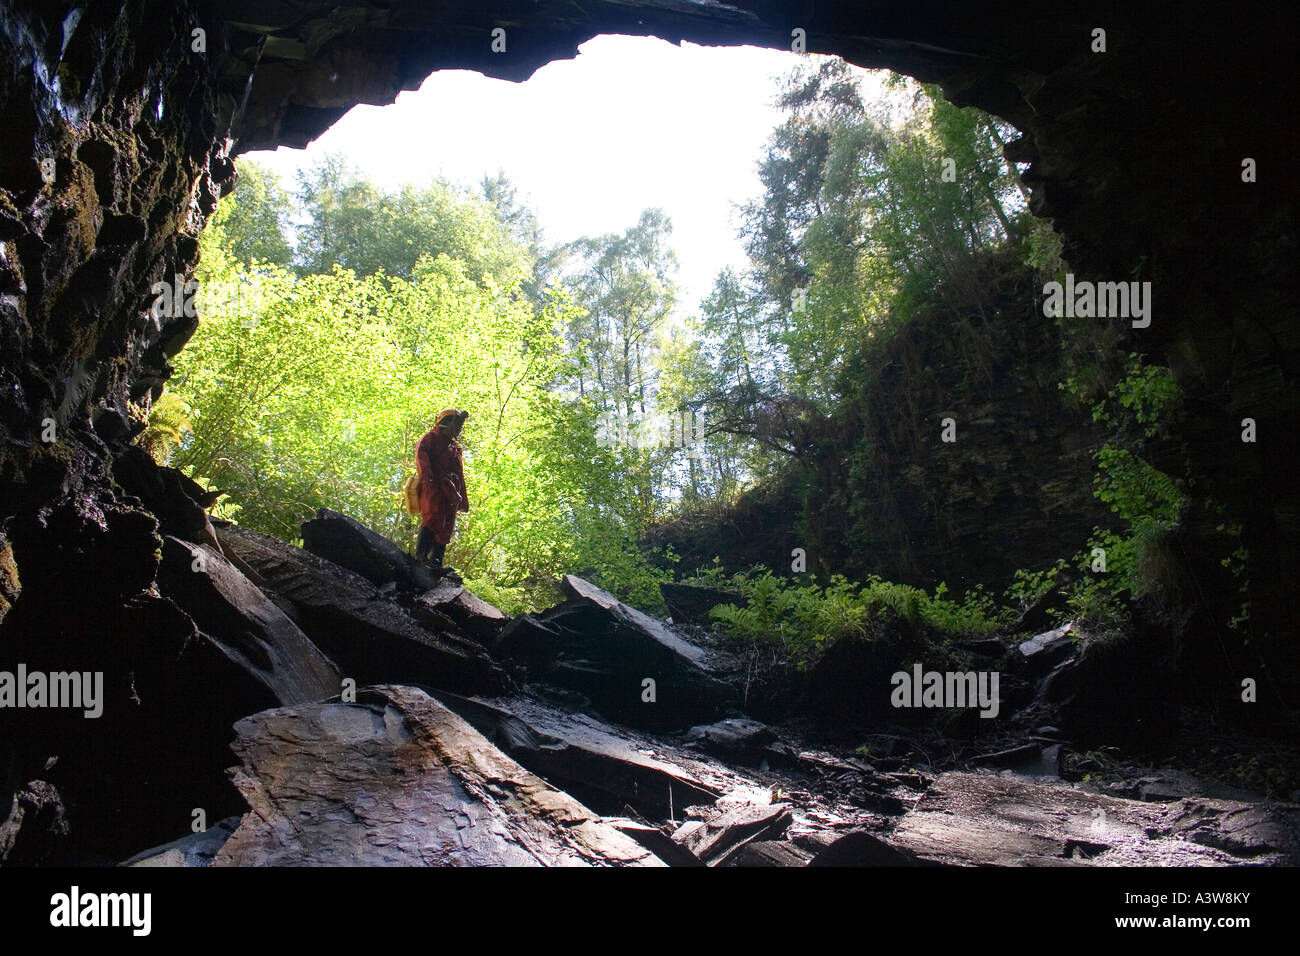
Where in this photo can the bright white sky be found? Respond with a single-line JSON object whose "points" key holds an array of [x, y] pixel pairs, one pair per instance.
{"points": [[632, 122]]}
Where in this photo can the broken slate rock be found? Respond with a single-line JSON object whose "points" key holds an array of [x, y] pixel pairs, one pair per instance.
{"points": [[527, 637], [634, 669], [860, 848], [653, 629], [170, 494], [371, 639], [737, 738], [974, 819], [1044, 651], [656, 841], [350, 544], [767, 853], [607, 767], [476, 617], [237, 620], [714, 838], [195, 850], [397, 779]]}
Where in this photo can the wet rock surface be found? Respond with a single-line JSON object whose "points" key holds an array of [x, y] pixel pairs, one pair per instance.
{"points": [[611, 767], [195, 850], [713, 839], [462, 766], [741, 740], [396, 779], [456, 603], [994, 820], [1044, 651], [861, 848]]}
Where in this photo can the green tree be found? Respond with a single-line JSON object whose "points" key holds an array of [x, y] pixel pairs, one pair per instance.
{"points": [[792, 172], [258, 222], [522, 224], [625, 286], [313, 392], [352, 223]]}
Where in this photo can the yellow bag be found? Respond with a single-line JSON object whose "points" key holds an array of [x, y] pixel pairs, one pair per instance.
{"points": [[411, 494]]}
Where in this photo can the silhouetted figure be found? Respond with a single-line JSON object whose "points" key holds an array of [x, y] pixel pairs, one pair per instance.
{"points": [[442, 489]]}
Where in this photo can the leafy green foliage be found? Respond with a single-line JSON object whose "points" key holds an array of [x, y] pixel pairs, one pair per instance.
{"points": [[314, 391], [1144, 396], [806, 618], [1043, 249], [1238, 564], [867, 209], [1139, 408], [1140, 494], [397, 303], [353, 224], [168, 421], [624, 286], [257, 221], [1029, 587], [1147, 500]]}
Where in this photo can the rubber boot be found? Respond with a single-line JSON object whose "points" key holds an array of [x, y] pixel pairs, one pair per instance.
{"points": [[424, 544], [436, 554]]}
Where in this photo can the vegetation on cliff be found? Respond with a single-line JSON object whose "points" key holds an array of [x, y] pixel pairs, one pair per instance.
{"points": [[880, 392]]}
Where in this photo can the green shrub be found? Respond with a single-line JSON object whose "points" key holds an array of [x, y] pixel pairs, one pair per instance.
{"points": [[806, 618], [1140, 406], [1029, 587]]}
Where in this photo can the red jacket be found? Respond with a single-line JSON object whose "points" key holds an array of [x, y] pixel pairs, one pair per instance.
{"points": [[442, 484]]}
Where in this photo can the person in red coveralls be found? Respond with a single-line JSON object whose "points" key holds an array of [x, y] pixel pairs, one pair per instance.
{"points": [[442, 488]]}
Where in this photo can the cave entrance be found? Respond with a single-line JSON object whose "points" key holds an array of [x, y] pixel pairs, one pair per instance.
{"points": [[710, 260]]}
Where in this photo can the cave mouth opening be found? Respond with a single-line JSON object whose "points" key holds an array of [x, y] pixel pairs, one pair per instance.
{"points": [[759, 197]]}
